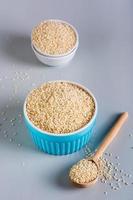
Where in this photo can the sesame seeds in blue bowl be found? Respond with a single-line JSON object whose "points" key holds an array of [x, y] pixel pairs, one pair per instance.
{"points": [[60, 116]]}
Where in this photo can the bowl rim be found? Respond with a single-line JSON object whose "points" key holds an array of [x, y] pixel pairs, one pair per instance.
{"points": [[63, 134], [58, 55]]}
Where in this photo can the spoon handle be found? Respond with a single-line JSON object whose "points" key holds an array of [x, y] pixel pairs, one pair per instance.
{"points": [[111, 135]]}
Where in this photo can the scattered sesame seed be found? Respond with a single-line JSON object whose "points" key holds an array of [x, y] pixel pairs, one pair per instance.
{"points": [[5, 131], [105, 193], [119, 185], [121, 170], [13, 119], [14, 134], [118, 164], [10, 139], [13, 124]]}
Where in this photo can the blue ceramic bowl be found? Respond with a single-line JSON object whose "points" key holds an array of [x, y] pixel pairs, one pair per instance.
{"points": [[62, 144]]}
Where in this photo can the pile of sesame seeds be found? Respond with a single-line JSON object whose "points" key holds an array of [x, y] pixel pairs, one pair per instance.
{"points": [[53, 37], [59, 107]]}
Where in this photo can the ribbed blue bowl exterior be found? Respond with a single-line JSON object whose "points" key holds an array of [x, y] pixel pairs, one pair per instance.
{"points": [[61, 145]]}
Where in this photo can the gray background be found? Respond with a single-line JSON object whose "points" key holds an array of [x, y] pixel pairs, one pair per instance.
{"points": [[103, 63]]}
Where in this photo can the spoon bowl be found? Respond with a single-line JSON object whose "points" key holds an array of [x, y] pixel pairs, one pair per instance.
{"points": [[87, 184]]}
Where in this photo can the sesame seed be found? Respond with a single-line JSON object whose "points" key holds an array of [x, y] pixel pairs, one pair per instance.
{"points": [[13, 119], [15, 133], [19, 145], [10, 139], [121, 170], [5, 131], [119, 185], [13, 124], [118, 164]]}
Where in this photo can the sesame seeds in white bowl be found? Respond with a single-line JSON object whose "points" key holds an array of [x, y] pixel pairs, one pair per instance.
{"points": [[54, 42]]}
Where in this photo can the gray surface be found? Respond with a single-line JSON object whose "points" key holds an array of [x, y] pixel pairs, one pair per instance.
{"points": [[103, 64]]}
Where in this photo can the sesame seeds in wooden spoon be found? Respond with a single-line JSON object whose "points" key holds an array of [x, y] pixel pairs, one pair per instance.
{"points": [[85, 172]]}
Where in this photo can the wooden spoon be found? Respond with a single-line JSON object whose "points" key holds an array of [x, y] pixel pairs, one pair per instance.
{"points": [[107, 140]]}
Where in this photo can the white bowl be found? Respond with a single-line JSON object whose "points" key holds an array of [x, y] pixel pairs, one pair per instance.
{"points": [[57, 60]]}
